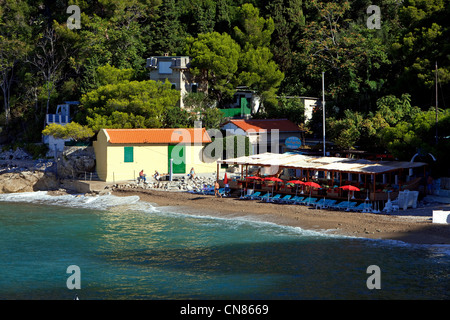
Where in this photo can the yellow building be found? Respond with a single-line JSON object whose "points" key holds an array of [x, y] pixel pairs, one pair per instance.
{"points": [[122, 153]]}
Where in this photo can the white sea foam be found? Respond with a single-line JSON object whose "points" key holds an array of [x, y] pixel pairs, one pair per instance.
{"points": [[103, 202]]}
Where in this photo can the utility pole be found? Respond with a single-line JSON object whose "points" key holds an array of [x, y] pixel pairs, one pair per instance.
{"points": [[323, 111], [437, 139]]}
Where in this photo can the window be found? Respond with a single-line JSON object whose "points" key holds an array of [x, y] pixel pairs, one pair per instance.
{"points": [[128, 154], [164, 67], [194, 88]]}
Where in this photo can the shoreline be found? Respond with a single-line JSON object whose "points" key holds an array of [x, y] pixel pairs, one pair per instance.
{"points": [[413, 226]]}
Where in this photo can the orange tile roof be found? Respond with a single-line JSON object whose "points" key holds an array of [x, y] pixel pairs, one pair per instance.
{"points": [[158, 136], [283, 125]]}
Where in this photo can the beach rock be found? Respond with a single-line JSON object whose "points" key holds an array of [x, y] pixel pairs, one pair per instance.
{"points": [[27, 181]]}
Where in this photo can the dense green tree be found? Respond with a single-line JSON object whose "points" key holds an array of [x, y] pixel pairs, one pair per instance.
{"points": [[215, 62], [131, 103], [72, 130]]}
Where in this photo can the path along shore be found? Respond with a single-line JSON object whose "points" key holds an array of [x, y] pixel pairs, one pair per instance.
{"points": [[410, 226]]}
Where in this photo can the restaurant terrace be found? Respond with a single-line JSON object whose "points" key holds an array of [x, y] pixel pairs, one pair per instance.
{"points": [[372, 179]]}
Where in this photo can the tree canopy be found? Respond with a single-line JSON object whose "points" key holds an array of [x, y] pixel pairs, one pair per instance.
{"points": [[376, 80]]}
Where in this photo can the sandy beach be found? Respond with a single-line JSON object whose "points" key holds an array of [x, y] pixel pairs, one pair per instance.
{"points": [[410, 226]]}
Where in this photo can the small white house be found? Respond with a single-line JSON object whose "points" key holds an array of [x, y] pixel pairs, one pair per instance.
{"points": [[62, 117]]}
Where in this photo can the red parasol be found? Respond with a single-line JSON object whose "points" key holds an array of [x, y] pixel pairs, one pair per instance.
{"points": [[297, 182], [253, 178], [225, 179], [275, 179], [312, 184], [349, 188]]}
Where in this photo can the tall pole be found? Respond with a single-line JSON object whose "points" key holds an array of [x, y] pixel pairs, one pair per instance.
{"points": [[323, 111], [437, 139]]}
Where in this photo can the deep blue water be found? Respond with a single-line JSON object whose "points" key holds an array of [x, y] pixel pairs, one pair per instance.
{"points": [[127, 249]]}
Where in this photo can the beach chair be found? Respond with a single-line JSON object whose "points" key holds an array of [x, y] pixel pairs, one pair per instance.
{"points": [[308, 201], [337, 206], [223, 192], [328, 203], [285, 199], [275, 198], [252, 196], [320, 203], [359, 207], [350, 205], [364, 207], [265, 197], [295, 200]]}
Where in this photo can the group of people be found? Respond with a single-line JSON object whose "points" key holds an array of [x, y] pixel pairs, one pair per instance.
{"points": [[157, 176]]}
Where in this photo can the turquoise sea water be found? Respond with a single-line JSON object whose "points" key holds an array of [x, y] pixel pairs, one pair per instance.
{"points": [[128, 249]]}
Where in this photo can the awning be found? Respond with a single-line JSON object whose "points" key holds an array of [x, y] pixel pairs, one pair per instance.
{"points": [[298, 161]]}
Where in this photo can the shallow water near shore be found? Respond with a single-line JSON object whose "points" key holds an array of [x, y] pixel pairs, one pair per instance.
{"points": [[128, 249]]}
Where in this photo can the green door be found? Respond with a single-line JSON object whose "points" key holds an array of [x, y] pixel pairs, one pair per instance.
{"points": [[178, 154]]}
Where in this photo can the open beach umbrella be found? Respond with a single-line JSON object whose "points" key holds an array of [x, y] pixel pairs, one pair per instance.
{"points": [[274, 179], [350, 188], [254, 178], [311, 185], [297, 183]]}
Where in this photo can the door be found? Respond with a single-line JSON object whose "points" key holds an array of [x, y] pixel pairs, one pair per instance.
{"points": [[178, 154]]}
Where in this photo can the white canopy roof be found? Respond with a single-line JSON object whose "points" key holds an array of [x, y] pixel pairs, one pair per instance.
{"points": [[298, 161]]}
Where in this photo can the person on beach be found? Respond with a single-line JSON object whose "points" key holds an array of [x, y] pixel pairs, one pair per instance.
{"points": [[156, 175], [192, 173], [216, 189], [142, 176]]}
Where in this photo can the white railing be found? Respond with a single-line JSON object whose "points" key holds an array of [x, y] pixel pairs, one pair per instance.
{"points": [[57, 118]]}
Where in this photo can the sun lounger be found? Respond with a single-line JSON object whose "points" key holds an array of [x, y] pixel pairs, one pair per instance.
{"points": [[264, 197], [285, 199], [329, 202], [349, 206], [252, 196], [275, 198], [320, 203], [308, 201], [337, 206], [361, 207], [295, 200]]}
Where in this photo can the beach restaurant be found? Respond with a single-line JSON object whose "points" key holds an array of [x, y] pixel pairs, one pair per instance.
{"points": [[376, 180]]}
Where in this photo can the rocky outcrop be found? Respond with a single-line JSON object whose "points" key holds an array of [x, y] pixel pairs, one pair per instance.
{"points": [[27, 181], [76, 162]]}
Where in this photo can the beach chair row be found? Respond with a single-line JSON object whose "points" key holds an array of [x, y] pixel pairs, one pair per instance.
{"points": [[310, 201]]}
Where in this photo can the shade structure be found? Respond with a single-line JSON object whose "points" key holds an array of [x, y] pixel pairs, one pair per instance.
{"points": [[274, 179], [254, 178], [297, 183], [225, 179], [312, 184], [350, 188]]}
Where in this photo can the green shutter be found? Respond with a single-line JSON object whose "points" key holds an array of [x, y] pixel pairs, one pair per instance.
{"points": [[178, 154], [128, 154]]}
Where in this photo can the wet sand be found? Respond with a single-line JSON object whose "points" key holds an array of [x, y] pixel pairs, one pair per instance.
{"points": [[411, 226]]}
